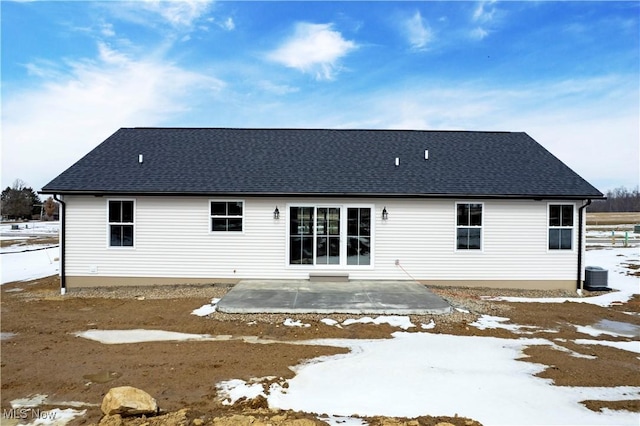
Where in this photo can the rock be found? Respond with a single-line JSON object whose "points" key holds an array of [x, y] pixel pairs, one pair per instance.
{"points": [[128, 401], [197, 422], [445, 424], [111, 421]]}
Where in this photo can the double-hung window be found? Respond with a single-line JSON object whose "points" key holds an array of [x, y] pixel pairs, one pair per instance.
{"points": [[468, 226], [560, 226], [121, 223], [226, 216]]}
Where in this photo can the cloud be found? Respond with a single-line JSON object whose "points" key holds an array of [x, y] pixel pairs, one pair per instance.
{"points": [[418, 32], [179, 13], [479, 33], [485, 15], [61, 119], [314, 49], [484, 12], [228, 24]]}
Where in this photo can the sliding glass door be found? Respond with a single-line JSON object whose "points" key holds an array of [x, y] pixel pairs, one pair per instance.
{"points": [[322, 235]]}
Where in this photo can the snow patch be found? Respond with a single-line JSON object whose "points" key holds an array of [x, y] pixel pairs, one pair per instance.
{"points": [[402, 322], [625, 346], [330, 322], [610, 259], [428, 326], [291, 323], [343, 421], [57, 417], [207, 309], [481, 374], [114, 337], [230, 391], [595, 332]]}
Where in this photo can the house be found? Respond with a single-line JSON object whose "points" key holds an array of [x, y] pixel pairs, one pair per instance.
{"points": [[202, 205]]}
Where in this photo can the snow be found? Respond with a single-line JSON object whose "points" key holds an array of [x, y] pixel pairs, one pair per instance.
{"points": [[625, 346], [30, 265], [232, 390], [26, 229], [207, 309], [485, 322], [330, 322], [481, 379], [429, 326], [291, 323], [610, 259], [113, 337], [595, 332], [403, 322], [343, 421], [29, 407]]}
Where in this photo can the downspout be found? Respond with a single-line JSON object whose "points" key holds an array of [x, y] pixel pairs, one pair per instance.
{"points": [[63, 233], [579, 282]]}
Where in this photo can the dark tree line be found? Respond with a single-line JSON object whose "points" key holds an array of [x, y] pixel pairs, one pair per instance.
{"points": [[618, 200], [20, 201]]}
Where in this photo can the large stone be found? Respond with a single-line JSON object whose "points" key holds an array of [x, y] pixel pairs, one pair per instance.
{"points": [[128, 401]]}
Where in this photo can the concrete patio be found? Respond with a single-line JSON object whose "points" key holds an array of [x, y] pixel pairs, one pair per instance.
{"points": [[352, 297]]}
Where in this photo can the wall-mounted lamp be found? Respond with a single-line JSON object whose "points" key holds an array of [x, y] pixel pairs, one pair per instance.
{"points": [[276, 213], [385, 213]]}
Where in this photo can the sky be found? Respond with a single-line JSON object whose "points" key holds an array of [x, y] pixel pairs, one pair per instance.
{"points": [[566, 73]]}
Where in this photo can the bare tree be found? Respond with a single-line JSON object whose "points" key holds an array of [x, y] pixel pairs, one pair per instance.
{"points": [[618, 200]]}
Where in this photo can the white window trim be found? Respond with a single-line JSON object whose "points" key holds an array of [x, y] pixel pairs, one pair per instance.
{"points": [[456, 227], [573, 228], [135, 227], [210, 216], [343, 238]]}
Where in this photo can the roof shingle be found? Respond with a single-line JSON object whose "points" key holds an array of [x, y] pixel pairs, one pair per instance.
{"points": [[324, 162]]}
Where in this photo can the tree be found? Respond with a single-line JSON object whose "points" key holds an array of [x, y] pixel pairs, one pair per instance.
{"points": [[20, 201], [50, 208], [618, 200]]}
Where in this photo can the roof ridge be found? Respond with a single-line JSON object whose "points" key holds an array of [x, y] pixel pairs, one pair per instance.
{"points": [[322, 129]]}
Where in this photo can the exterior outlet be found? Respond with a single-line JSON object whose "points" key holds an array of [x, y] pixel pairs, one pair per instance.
{"points": [[397, 262], [93, 269]]}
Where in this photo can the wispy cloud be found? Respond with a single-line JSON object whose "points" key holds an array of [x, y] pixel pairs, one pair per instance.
{"points": [[484, 11], [66, 115], [418, 32], [479, 33], [315, 49], [179, 13], [485, 16]]}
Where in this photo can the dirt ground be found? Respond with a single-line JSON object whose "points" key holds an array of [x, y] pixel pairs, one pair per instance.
{"points": [[45, 357]]}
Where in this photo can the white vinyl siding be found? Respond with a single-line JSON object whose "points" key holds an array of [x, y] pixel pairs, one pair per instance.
{"points": [[173, 238]]}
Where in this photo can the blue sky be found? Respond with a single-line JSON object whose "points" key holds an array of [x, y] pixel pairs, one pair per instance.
{"points": [[567, 73]]}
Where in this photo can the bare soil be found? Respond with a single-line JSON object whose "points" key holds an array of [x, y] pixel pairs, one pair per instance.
{"points": [[45, 357]]}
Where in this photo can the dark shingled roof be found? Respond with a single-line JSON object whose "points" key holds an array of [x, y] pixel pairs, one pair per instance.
{"points": [[322, 162]]}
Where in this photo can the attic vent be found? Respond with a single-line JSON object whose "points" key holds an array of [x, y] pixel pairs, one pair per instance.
{"points": [[140, 159], [397, 161], [426, 154]]}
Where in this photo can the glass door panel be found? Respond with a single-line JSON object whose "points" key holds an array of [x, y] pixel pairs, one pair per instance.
{"points": [[328, 236], [358, 236], [301, 225]]}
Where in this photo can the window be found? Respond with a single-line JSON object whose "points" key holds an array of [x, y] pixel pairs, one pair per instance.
{"points": [[358, 236], [468, 226], [121, 223], [226, 216], [560, 226]]}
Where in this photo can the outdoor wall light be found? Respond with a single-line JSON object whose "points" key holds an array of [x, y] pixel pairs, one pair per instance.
{"points": [[276, 213], [385, 214]]}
